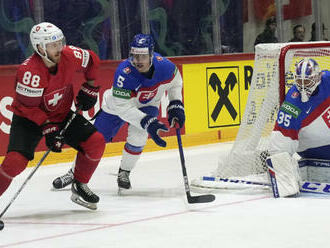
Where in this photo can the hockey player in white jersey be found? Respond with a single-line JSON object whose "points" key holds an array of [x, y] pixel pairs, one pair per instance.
{"points": [[303, 127], [139, 84]]}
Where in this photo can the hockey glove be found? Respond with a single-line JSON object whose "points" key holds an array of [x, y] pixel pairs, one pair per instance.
{"points": [[175, 112], [54, 141], [153, 126], [87, 96]]}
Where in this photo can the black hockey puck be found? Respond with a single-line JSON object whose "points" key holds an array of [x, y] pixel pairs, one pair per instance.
{"points": [[2, 225]]}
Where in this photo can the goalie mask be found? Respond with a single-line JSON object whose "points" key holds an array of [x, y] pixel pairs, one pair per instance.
{"points": [[307, 78], [142, 48], [44, 33]]}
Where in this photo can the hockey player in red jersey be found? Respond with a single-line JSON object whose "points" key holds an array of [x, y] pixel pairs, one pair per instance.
{"points": [[42, 106]]}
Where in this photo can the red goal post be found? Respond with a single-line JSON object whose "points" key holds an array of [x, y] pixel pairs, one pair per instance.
{"points": [[273, 74]]}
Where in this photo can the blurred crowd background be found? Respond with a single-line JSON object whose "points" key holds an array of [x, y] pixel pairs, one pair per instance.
{"points": [[180, 27]]}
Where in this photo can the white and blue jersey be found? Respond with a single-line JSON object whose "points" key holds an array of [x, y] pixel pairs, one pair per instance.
{"points": [[304, 127], [133, 96]]}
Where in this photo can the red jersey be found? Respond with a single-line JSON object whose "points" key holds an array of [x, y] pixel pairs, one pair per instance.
{"points": [[41, 95]]}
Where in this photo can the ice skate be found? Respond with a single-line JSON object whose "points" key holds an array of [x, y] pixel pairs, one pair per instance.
{"points": [[83, 196], [63, 181], [123, 180]]}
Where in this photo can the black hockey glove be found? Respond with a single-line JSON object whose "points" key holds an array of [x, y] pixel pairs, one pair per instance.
{"points": [[175, 112], [153, 126], [87, 96], [54, 141]]}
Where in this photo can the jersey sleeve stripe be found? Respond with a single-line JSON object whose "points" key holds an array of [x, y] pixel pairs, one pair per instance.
{"points": [[292, 133], [316, 112]]}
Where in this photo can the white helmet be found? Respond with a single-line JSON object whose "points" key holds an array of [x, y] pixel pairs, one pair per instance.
{"points": [[307, 77], [44, 33]]}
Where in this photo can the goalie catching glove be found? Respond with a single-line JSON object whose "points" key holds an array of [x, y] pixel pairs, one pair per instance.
{"points": [[153, 127], [175, 111], [87, 96], [284, 175], [54, 141]]}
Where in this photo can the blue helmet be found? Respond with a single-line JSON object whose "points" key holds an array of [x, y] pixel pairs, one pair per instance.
{"points": [[307, 77], [142, 44]]}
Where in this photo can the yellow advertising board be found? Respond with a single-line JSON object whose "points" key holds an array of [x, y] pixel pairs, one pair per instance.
{"points": [[215, 94]]}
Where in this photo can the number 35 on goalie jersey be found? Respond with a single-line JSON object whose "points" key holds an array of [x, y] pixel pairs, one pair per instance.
{"points": [[305, 127]]}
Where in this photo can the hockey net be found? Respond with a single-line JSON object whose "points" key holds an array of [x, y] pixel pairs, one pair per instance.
{"points": [[273, 74]]}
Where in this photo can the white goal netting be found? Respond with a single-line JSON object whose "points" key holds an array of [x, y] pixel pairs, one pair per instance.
{"points": [[273, 73]]}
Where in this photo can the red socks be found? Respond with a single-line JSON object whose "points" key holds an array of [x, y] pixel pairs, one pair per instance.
{"points": [[13, 164], [87, 162]]}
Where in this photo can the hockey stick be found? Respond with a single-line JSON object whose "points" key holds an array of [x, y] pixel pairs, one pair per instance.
{"points": [[306, 187], [190, 198], [39, 163]]}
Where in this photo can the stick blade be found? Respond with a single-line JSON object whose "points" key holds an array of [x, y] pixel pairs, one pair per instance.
{"points": [[201, 198]]}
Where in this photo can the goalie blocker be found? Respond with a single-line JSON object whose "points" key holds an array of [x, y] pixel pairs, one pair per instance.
{"points": [[284, 175]]}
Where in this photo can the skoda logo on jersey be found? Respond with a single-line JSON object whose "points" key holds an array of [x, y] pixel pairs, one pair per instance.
{"points": [[147, 96], [54, 99], [290, 109]]}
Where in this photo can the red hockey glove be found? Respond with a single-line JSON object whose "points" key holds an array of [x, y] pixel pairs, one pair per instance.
{"points": [[54, 141], [87, 96]]}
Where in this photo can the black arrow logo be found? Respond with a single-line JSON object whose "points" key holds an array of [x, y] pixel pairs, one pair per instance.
{"points": [[215, 83]]}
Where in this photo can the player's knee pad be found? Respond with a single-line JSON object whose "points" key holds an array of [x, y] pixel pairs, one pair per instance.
{"points": [[94, 146], [13, 164], [131, 155], [314, 170], [136, 136], [134, 150], [284, 175]]}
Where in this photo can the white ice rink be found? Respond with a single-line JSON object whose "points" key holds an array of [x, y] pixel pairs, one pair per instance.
{"points": [[155, 212]]}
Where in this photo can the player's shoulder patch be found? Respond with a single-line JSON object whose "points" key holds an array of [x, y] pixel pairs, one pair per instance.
{"points": [[29, 82], [127, 70], [290, 109], [126, 76], [159, 58], [30, 77], [165, 67], [77, 54], [295, 94]]}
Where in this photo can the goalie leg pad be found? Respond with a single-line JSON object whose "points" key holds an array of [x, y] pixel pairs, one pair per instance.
{"points": [[314, 170], [284, 176]]}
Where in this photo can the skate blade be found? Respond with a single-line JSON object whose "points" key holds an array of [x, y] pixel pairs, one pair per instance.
{"points": [[122, 191], [58, 190], [78, 200]]}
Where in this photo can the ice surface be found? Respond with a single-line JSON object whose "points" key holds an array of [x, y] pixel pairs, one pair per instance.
{"points": [[155, 212]]}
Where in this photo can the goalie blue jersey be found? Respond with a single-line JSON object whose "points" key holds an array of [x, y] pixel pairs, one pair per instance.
{"points": [[304, 127]]}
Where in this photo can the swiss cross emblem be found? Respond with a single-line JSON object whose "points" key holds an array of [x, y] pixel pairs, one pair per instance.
{"points": [[147, 96], [54, 99], [326, 117]]}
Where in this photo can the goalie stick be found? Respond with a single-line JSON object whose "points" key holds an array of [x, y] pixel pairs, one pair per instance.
{"points": [[190, 198], [306, 186], [38, 165]]}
